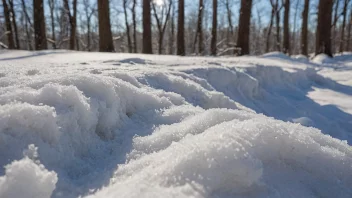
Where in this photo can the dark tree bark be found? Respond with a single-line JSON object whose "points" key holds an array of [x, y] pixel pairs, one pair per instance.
{"points": [[344, 14], [105, 36], [52, 7], [161, 25], [323, 32], [181, 28], [39, 25], [134, 21], [14, 22], [278, 29], [244, 27], [11, 43], [286, 42], [88, 13], [199, 32], [147, 30], [213, 47], [28, 24], [129, 42], [304, 33], [73, 21]]}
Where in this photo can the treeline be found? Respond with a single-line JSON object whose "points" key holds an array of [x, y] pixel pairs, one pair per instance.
{"points": [[175, 27]]}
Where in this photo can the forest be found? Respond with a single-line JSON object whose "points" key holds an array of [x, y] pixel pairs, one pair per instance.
{"points": [[183, 27]]}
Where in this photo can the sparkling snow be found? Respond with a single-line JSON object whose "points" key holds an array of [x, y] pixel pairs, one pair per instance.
{"points": [[123, 125]]}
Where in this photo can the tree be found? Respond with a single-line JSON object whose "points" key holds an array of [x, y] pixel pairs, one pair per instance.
{"points": [[244, 27], [160, 24], [39, 25], [147, 30], [214, 28], [129, 42], [73, 21], [105, 35], [273, 12], [14, 23], [172, 31], [229, 21], [199, 32], [9, 32], [304, 33], [28, 24], [52, 7], [181, 28], [89, 11], [134, 26], [286, 42], [323, 32], [344, 14]]}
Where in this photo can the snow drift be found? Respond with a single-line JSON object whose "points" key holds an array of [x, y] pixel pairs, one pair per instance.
{"points": [[102, 125]]}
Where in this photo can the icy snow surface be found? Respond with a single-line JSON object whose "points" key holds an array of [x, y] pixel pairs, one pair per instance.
{"points": [[103, 125]]}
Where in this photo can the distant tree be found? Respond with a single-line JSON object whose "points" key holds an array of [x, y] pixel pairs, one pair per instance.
{"points": [[73, 21], [147, 30], [244, 27], [14, 23], [199, 32], [129, 42], [39, 25], [229, 21], [134, 22], [304, 32], [286, 42], [9, 32], [161, 24], [172, 30], [323, 32], [105, 35], [181, 29], [274, 5], [213, 46], [344, 14], [52, 8]]}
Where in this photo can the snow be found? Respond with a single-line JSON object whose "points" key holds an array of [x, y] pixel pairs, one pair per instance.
{"points": [[123, 125]]}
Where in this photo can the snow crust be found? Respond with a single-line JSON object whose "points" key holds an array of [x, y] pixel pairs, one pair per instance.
{"points": [[114, 125]]}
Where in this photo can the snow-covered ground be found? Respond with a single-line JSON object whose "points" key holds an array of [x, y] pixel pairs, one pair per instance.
{"points": [[123, 125]]}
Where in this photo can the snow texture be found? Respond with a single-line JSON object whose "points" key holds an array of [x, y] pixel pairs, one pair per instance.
{"points": [[96, 125]]}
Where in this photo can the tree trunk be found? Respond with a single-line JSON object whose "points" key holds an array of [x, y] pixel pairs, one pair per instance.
{"points": [[147, 30], [199, 33], [323, 32], [52, 7], [28, 25], [11, 44], [214, 28], [278, 32], [181, 28], [244, 27], [304, 33], [73, 22], [349, 32], [105, 36], [336, 17], [39, 25], [286, 42], [172, 32], [134, 26], [13, 16], [344, 14], [129, 42], [229, 21], [270, 27]]}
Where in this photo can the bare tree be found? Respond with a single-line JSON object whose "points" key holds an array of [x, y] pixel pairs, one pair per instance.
{"points": [[304, 33], [161, 24], [286, 42], [89, 11], [14, 23], [213, 47], [229, 21], [181, 28], [28, 25], [344, 14], [9, 32], [105, 35], [323, 32], [244, 27], [147, 30], [39, 25], [274, 5], [349, 32], [73, 21], [129, 42], [199, 32], [172, 31], [278, 29], [52, 7], [134, 25]]}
